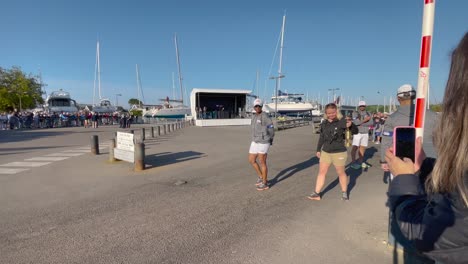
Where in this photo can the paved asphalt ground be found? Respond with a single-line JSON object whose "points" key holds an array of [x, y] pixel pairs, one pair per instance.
{"points": [[83, 209]]}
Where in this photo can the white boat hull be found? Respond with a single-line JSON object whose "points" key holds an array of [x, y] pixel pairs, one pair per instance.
{"points": [[170, 112], [289, 107], [104, 109]]}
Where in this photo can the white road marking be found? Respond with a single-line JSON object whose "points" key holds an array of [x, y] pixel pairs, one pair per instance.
{"points": [[88, 148], [11, 171], [47, 159], [64, 154], [25, 164], [76, 150]]}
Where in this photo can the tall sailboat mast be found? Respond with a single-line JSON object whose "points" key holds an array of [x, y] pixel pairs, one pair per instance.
{"points": [[280, 68], [95, 73], [99, 71], [178, 68], [173, 86], [139, 90]]}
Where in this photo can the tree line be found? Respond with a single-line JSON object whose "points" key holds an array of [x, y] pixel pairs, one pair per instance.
{"points": [[19, 90]]}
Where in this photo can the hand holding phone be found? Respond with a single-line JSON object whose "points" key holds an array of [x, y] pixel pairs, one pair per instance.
{"points": [[404, 142]]}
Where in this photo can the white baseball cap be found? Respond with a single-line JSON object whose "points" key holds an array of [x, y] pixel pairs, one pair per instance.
{"points": [[405, 88], [258, 101], [362, 103]]}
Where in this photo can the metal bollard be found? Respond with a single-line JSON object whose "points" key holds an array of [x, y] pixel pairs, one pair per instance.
{"points": [[152, 132], [95, 145], [139, 163], [111, 150], [165, 132], [159, 131], [143, 134], [172, 127]]}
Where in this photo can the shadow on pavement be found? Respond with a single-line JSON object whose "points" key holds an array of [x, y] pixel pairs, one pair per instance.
{"points": [[290, 171], [166, 158]]}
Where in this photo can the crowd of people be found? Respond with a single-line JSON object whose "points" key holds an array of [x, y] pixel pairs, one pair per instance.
{"points": [[35, 119]]}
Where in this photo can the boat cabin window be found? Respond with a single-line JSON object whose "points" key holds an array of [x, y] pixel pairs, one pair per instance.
{"points": [[60, 102]]}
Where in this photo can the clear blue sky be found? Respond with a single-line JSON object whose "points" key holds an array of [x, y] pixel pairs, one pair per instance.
{"points": [[360, 47]]}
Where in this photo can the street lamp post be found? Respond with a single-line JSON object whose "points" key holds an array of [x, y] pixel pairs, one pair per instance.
{"points": [[276, 91], [378, 102], [333, 91], [117, 99]]}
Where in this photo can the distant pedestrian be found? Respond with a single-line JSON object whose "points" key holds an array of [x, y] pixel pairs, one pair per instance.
{"points": [[95, 119], [331, 150], [262, 132], [361, 140]]}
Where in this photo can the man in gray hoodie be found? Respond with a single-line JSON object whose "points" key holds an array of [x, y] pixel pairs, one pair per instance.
{"points": [[263, 132]]}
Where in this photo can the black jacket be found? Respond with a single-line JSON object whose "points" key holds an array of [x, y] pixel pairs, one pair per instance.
{"points": [[437, 224], [332, 136]]}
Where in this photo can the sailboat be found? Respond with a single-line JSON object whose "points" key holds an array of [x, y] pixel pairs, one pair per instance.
{"points": [[173, 108], [285, 103], [104, 105]]}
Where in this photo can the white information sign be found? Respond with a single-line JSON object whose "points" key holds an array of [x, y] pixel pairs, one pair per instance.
{"points": [[125, 141], [125, 155]]}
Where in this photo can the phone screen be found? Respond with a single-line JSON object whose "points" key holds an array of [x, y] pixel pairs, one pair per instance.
{"points": [[405, 139]]}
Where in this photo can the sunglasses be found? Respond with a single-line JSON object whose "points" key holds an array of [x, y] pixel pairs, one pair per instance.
{"points": [[258, 106]]}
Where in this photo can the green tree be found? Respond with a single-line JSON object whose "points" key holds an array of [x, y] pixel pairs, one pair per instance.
{"points": [[134, 101], [18, 90], [436, 107], [136, 112]]}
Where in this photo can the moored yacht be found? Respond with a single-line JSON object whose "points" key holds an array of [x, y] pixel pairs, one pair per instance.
{"points": [[60, 101], [289, 103]]}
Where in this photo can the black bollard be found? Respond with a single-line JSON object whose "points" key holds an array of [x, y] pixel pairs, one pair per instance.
{"points": [[139, 163], [95, 145], [142, 134], [159, 131], [111, 150], [165, 129], [152, 132]]}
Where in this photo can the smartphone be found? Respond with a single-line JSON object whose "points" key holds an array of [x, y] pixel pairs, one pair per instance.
{"points": [[404, 141]]}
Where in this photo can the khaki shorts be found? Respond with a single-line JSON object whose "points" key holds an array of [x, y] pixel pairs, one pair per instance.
{"points": [[337, 159]]}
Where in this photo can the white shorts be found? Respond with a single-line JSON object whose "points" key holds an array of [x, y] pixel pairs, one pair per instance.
{"points": [[259, 148], [361, 139]]}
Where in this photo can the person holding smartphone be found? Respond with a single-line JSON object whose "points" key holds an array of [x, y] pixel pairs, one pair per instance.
{"points": [[428, 199], [331, 150], [404, 116]]}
